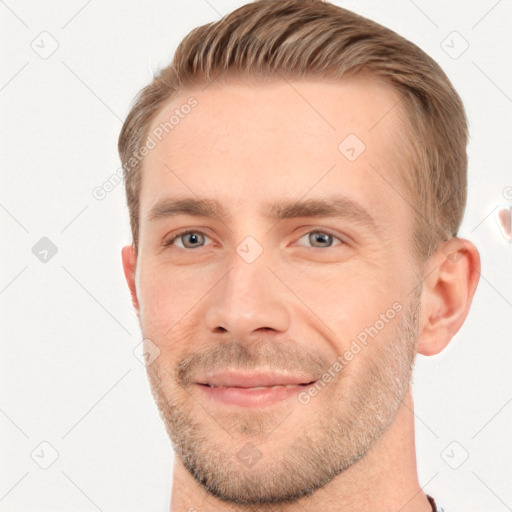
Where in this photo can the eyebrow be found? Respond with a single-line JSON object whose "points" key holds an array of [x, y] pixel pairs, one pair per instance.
{"points": [[334, 206]]}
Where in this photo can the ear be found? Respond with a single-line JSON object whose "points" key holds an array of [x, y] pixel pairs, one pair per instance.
{"points": [[129, 257], [452, 274]]}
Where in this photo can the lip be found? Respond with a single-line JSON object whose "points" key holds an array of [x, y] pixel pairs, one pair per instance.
{"points": [[252, 389], [252, 379]]}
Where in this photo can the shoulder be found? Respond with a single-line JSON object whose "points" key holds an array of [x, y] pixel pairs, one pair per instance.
{"points": [[436, 507]]}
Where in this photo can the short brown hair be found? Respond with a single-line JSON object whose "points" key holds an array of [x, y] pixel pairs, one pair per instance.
{"points": [[313, 38]]}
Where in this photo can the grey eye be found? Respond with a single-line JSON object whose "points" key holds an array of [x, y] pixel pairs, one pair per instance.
{"points": [[188, 239], [320, 239]]}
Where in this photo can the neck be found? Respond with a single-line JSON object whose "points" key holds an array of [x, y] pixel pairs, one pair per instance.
{"points": [[384, 479]]}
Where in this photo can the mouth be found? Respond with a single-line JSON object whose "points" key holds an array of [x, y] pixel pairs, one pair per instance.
{"points": [[261, 387], [254, 389]]}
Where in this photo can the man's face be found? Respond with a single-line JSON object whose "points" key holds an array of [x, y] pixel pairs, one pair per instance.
{"points": [[252, 292]]}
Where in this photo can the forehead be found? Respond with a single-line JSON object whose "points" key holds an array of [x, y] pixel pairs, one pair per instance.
{"points": [[246, 145]]}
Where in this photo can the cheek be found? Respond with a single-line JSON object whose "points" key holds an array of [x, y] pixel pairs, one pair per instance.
{"points": [[168, 298], [347, 300], [338, 301]]}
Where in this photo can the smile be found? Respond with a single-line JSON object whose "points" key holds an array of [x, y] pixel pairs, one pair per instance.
{"points": [[252, 389]]}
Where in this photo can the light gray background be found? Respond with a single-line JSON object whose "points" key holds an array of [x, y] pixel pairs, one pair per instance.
{"points": [[69, 376]]}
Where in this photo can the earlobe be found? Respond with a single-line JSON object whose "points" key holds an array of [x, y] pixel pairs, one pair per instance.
{"points": [[452, 276], [129, 258]]}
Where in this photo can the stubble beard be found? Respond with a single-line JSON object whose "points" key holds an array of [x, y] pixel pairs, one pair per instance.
{"points": [[356, 412]]}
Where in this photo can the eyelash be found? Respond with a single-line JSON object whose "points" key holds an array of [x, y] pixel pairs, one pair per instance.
{"points": [[169, 242]]}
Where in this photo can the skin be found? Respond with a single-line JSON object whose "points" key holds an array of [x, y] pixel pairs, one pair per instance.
{"points": [[298, 306]]}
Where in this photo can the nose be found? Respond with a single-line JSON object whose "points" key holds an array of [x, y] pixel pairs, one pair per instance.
{"points": [[248, 301]]}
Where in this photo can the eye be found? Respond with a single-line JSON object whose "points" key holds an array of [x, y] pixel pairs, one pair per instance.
{"points": [[321, 239], [189, 239]]}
